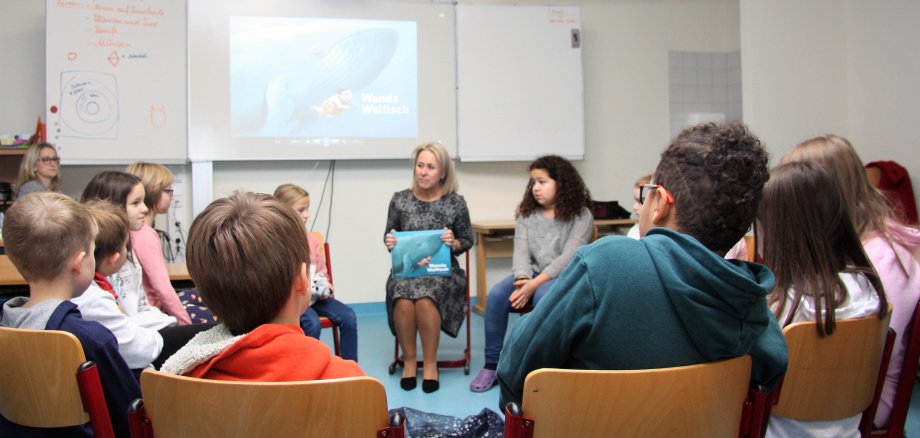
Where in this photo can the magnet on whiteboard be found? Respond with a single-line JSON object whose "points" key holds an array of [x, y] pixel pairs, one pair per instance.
{"points": [[576, 39]]}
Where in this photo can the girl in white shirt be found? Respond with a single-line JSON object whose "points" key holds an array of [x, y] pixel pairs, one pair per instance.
{"points": [[822, 272]]}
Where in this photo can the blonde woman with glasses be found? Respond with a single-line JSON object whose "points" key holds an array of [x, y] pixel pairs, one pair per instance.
{"points": [[40, 170]]}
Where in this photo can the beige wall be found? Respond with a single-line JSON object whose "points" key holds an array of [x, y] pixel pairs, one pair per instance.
{"points": [[827, 66], [625, 56]]}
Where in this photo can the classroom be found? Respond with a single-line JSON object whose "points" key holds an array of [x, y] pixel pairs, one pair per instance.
{"points": [[806, 69]]}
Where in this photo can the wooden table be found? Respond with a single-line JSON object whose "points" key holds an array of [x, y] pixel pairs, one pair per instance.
{"points": [[495, 239], [9, 276]]}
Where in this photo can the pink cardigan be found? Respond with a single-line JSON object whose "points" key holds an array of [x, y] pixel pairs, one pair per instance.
{"points": [[317, 253], [149, 252], [902, 290]]}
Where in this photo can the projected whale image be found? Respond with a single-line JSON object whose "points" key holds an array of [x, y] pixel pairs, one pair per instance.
{"points": [[419, 253], [296, 77]]}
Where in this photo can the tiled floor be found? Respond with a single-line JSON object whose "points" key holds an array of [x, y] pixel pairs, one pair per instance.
{"points": [[375, 352]]}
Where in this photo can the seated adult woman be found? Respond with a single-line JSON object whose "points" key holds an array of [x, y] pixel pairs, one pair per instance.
{"points": [[425, 305], [39, 171]]}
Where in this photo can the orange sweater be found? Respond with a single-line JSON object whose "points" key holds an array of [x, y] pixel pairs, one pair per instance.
{"points": [[276, 353]]}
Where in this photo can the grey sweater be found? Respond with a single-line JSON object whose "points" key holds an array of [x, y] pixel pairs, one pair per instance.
{"points": [[31, 186], [546, 244]]}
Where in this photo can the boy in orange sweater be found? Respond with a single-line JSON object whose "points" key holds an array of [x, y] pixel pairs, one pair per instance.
{"points": [[248, 255]]}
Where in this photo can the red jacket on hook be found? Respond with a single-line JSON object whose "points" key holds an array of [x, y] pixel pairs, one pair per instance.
{"points": [[895, 184]]}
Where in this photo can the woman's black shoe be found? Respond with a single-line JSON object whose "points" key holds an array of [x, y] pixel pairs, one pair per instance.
{"points": [[430, 385], [409, 383]]}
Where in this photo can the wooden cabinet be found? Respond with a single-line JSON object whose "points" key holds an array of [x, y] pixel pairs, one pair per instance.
{"points": [[9, 163]]}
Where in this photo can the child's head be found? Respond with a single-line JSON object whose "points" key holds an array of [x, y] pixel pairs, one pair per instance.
{"points": [[296, 197], [554, 183], [244, 254], [714, 174], [869, 209], [44, 232], [121, 189], [807, 239], [641, 180], [157, 181], [112, 236]]}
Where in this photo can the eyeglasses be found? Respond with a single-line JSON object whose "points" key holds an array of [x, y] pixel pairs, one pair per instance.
{"points": [[168, 192], [645, 188], [47, 160]]}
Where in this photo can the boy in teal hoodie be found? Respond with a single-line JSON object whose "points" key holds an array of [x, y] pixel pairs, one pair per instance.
{"points": [[668, 299]]}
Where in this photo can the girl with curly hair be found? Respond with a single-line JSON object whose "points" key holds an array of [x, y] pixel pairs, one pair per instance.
{"points": [[552, 221]]}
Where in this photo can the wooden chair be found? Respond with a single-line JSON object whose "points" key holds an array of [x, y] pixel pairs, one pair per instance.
{"points": [[177, 406], [906, 382], [46, 381], [456, 363], [324, 321], [836, 376], [703, 400]]}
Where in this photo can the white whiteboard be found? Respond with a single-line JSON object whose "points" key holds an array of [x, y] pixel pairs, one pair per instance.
{"points": [[116, 80], [520, 90]]}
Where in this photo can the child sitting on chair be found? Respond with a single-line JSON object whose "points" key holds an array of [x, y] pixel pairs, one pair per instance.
{"points": [[248, 255], [323, 303], [140, 346], [49, 238]]}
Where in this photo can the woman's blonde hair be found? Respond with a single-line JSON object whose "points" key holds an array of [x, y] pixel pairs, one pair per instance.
{"points": [[290, 193], [155, 178], [448, 181], [27, 167]]}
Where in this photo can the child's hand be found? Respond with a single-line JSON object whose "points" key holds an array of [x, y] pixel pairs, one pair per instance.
{"points": [[390, 240], [521, 295]]}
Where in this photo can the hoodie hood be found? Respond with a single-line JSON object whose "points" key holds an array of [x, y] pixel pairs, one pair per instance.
{"points": [[36, 317], [711, 293], [905, 236], [269, 353]]}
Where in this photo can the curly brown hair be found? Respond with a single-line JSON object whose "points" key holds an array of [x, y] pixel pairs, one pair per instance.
{"points": [[716, 174], [572, 196]]}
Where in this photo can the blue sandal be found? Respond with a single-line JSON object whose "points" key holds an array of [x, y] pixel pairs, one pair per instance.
{"points": [[484, 381]]}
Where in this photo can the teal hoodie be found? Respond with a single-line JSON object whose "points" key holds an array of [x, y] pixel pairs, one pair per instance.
{"points": [[659, 302]]}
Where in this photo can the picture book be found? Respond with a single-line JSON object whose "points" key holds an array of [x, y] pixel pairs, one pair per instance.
{"points": [[419, 254]]}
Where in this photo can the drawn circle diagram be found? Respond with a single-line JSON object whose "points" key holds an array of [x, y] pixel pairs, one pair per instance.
{"points": [[88, 107]]}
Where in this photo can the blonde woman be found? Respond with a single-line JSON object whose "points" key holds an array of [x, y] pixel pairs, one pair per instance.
{"points": [[423, 306], [40, 170]]}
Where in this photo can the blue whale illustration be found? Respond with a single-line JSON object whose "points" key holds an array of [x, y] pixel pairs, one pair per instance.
{"points": [[276, 78], [411, 250]]}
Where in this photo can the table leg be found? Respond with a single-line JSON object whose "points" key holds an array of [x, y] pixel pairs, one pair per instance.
{"points": [[481, 292]]}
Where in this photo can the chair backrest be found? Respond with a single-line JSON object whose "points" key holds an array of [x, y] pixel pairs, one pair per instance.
{"points": [[325, 245], [696, 400], [906, 380], [832, 377], [38, 378], [180, 406]]}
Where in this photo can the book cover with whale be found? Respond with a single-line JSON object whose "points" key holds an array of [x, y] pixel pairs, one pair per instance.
{"points": [[420, 254]]}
